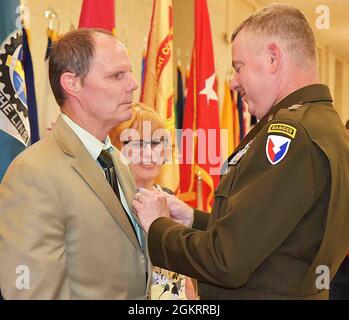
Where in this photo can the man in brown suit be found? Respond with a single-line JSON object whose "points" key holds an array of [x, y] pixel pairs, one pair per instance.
{"points": [[279, 224], [66, 226]]}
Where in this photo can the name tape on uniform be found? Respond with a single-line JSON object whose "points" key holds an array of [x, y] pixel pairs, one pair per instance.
{"points": [[283, 128]]}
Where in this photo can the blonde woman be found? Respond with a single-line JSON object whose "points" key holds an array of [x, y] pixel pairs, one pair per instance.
{"points": [[144, 140]]}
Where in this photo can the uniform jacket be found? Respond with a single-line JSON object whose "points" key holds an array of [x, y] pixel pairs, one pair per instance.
{"points": [[280, 220], [60, 218]]}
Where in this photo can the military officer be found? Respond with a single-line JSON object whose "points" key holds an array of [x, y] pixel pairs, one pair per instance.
{"points": [[279, 223], [340, 283]]}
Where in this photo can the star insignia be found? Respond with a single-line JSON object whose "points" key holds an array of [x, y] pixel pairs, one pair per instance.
{"points": [[208, 90]]}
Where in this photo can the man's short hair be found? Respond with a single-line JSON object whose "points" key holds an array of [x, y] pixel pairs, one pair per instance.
{"points": [[72, 53], [286, 23]]}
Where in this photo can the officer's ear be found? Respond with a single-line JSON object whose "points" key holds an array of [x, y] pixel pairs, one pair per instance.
{"points": [[70, 83], [274, 57]]}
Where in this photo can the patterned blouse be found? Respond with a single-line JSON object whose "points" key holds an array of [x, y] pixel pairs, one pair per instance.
{"points": [[167, 285]]}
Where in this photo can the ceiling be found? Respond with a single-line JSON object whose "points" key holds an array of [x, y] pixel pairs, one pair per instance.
{"points": [[337, 36]]}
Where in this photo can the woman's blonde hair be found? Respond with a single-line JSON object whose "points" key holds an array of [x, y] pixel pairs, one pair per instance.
{"points": [[140, 114]]}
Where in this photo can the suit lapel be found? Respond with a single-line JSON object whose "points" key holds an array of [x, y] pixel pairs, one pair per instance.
{"points": [[125, 179], [93, 176], [127, 185]]}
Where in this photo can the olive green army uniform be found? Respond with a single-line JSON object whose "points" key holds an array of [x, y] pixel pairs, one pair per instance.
{"points": [[280, 218]]}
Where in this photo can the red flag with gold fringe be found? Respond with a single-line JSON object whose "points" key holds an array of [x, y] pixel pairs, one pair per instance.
{"points": [[200, 162]]}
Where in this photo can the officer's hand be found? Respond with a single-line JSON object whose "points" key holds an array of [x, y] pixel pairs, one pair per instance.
{"points": [[179, 210], [150, 206]]}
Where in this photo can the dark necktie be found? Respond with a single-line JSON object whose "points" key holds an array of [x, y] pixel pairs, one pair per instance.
{"points": [[106, 162]]}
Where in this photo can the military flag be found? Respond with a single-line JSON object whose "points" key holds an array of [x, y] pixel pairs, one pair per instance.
{"points": [[14, 115], [229, 121], [157, 89], [49, 109], [30, 88], [199, 151], [98, 14]]}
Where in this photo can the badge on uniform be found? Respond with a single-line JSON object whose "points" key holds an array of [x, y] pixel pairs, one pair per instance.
{"points": [[240, 154], [277, 145]]}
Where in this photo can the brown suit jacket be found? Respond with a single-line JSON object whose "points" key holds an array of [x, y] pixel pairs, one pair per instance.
{"points": [[61, 219], [272, 225]]}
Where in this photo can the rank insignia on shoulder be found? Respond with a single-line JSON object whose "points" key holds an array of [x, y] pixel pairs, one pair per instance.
{"points": [[283, 128], [276, 148], [294, 107]]}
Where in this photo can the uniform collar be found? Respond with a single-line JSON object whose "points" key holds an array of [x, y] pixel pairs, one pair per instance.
{"points": [[310, 93]]}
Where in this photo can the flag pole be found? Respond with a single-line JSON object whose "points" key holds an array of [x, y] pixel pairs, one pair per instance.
{"points": [[200, 202]]}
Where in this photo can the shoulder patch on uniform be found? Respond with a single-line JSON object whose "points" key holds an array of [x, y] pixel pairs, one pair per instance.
{"points": [[283, 128], [276, 148]]}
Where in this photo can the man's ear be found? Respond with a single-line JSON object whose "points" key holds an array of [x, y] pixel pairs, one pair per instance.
{"points": [[70, 83], [274, 56]]}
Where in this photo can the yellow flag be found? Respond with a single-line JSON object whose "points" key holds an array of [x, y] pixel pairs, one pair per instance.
{"points": [[157, 89], [227, 121]]}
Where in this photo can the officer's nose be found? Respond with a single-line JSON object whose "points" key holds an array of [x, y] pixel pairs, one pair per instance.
{"points": [[234, 84], [133, 84]]}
